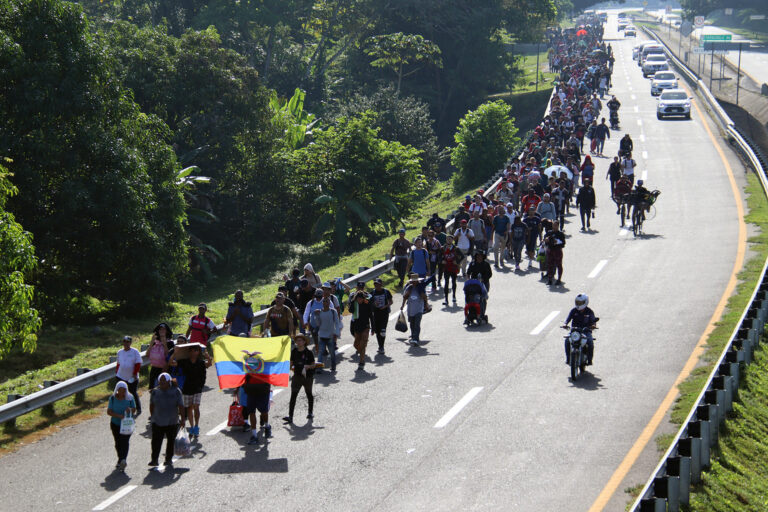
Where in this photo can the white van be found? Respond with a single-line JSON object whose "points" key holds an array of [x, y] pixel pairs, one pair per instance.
{"points": [[647, 50]]}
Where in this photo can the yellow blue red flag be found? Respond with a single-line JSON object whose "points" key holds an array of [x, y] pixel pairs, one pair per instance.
{"points": [[265, 360]]}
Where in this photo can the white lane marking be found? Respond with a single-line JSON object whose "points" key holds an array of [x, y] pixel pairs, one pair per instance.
{"points": [[639, 122], [642, 137], [645, 155], [644, 176], [634, 97], [637, 109], [394, 315], [623, 232], [597, 269], [456, 409], [544, 323], [218, 428], [119, 494], [343, 348], [630, 87]]}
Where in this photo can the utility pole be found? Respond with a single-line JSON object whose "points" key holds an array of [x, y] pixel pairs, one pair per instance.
{"points": [[711, 64], [738, 76]]}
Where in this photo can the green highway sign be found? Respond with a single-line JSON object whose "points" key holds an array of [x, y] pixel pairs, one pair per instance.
{"points": [[716, 37]]}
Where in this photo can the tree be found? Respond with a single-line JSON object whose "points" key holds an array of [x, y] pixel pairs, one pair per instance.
{"points": [[291, 116], [484, 141], [398, 50], [349, 183], [96, 177], [19, 320]]}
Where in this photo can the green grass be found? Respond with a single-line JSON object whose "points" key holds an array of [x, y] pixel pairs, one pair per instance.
{"points": [[528, 65], [739, 23]]}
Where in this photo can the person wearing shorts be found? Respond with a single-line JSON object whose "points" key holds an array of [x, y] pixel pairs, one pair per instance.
{"points": [[193, 368], [259, 395]]}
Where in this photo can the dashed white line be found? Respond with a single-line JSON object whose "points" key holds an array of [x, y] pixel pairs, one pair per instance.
{"points": [[394, 315], [597, 269], [623, 232], [637, 109], [456, 409], [343, 348], [642, 137], [644, 175], [544, 323], [639, 122], [645, 155], [119, 494], [218, 428], [633, 97]]}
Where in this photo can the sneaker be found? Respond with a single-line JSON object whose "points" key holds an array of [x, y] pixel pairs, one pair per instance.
{"points": [[122, 465], [415, 343], [380, 351], [288, 419], [445, 301], [454, 300], [153, 464], [361, 365], [310, 416], [195, 431], [254, 439], [169, 463], [268, 431]]}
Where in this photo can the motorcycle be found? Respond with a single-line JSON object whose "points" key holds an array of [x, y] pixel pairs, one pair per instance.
{"points": [[577, 340], [614, 119]]}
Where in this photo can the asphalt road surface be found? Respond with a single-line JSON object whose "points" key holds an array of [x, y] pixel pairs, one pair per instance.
{"points": [[475, 419]]}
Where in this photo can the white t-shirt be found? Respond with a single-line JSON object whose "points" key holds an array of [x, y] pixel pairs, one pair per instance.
{"points": [[629, 166], [127, 359], [462, 238], [479, 207]]}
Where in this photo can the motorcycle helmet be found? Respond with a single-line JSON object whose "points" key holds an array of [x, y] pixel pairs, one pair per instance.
{"points": [[581, 301], [639, 183]]}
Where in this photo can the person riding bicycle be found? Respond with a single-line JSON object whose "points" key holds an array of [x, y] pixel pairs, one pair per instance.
{"points": [[626, 146], [641, 195], [621, 193], [581, 317]]}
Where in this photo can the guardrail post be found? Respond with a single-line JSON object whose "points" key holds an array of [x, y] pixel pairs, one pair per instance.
{"points": [[347, 276], [653, 505], [362, 269], [690, 447], [263, 306], [724, 383], [80, 396], [48, 410], [702, 427], [111, 383], [377, 262], [680, 468], [710, 412], [10, 425]]}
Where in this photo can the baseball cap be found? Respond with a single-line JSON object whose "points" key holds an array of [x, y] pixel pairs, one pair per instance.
{"points": [[401, 230], [128, 339], [377, 281], [318, 293], [463, 221]]}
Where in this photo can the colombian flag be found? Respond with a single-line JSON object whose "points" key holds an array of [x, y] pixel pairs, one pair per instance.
{"points": [[264, 359]]}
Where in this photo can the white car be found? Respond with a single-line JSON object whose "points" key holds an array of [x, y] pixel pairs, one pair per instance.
{"points": [[663, 80], [630, 31], [623, 23], [673, 102], [653, 64], [637, 50]]}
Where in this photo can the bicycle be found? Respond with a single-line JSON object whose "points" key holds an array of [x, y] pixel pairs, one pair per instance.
{"points": [[639, 209]]}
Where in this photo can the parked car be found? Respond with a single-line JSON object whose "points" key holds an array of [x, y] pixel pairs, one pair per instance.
{"points": [[673, 102], [663, 80]]}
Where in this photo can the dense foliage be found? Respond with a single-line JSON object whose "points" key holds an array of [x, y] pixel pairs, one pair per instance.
{"points": [[19, 320], [484, 141], [151, 138]]}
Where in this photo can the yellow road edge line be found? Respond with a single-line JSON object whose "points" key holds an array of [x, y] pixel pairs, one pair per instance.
{"points": [[645, 436]]}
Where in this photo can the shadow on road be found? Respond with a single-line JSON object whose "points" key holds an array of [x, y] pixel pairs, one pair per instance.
{"points": [[158, 479], [588, 382], [302, 433], [115, 480], [382, 359], [362, 376], [256, 460]]}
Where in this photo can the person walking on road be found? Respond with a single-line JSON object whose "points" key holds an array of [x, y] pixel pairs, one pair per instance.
{"points": [[303, 366], [362, 318], [418, 261], [239, 316], [628, 165], [555, 240], [614, 173], [602, 132], [464, 237], [381, 300], [200, 326], [501, 225], [586, 201], [518, 235], [451, 257], [279, 320], [159, 348], [328, 328], [128, 366], [193, 368], [120, 403], [166, 406], [415, 298], [400, 249], [477, 226]]}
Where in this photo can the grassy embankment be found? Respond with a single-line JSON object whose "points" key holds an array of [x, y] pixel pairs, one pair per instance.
{"points": [[689, 389], [739, 23]]}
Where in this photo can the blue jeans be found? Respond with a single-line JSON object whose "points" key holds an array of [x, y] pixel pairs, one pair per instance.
{"points": [[415, 323], [600, 145], [330, 344]]}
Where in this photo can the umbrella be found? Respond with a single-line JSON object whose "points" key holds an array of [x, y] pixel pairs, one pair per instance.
{"points": [[581, 33], [598, 51], [555, 170]]}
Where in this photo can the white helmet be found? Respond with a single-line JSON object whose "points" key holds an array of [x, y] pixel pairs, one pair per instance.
{"points": [[582, 300]]}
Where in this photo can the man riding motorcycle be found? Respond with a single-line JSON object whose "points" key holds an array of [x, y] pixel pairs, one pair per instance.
{"points": [[613, 108], [582, 317], [626, 146]]}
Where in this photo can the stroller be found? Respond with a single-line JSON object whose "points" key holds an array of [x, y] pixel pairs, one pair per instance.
{"points": [[475, 301]]}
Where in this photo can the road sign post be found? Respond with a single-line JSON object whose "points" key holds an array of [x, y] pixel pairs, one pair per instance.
{"points": [[698, 21]]}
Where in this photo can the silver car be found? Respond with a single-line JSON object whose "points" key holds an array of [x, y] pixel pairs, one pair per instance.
{"points": [[673, 102], [663, 80], [653, 64]]}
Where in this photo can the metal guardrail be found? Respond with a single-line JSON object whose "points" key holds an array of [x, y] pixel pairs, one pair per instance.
{"points": [[690, 451], [20, 405]]}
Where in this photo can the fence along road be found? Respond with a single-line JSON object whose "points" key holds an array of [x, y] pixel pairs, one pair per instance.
{"points": [[528, 440]]}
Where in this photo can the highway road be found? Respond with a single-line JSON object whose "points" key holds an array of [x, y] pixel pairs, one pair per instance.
{"points": [[474, 419]]}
